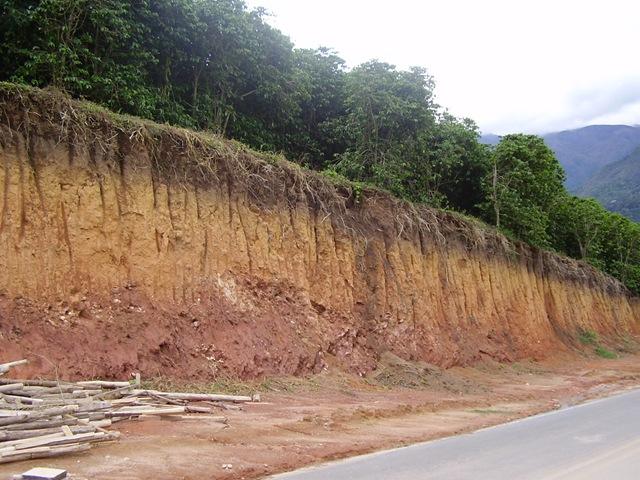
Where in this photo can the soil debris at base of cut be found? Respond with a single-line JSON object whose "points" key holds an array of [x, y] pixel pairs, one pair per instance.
{"points": [[302, 421]]}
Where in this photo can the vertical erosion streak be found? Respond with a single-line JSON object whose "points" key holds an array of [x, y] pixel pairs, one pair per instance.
{"points": [[65, 232], [22, 201], [5, 192], [30, 145], [245, 235]]}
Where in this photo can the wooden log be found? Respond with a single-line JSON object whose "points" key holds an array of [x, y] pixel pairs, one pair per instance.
{"points": [[93, 407], [13, 419], [156, 396], [68, 394], [56, 390], [11, 435], [224, 406], [101, 423], [43, 452], [5, 367], [196, 397], [41, 424], [37, 441], [133, 411], [195, 409], [57, 439], [38, 415], [19, 399], [117, 392], [103, 384], [90, 417], [33, 383], [52, 402], [10, 387]]}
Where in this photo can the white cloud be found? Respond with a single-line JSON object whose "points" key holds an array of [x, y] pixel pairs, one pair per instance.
{"points": [[510, 65]]}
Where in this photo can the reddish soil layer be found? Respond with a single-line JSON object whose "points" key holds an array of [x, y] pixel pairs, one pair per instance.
{"points": [[330, 416], [114, 336]]}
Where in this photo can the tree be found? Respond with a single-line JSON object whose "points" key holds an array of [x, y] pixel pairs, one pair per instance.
{"points": [[451, 172], [524, 182], [620, 249], [388, 113], [321, 80]]}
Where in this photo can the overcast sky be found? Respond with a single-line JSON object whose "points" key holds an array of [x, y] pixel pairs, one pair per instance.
{"points": [[519, 65]]}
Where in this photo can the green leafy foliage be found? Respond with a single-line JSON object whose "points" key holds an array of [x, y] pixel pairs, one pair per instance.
{"points": [[584, 229], [526, 179]]}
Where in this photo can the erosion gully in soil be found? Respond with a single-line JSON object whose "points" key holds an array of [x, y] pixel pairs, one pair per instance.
{"points": [[133, 247]]}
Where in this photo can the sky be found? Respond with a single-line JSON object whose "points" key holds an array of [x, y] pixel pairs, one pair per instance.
{"points": [[512, 66]]}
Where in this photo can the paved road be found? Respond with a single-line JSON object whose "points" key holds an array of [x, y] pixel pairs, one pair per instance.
{"points": [[598, 440]]}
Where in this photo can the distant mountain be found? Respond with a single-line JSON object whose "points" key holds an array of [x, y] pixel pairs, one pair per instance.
{"points": [[617, 186], [490, 139], [584, 151]]}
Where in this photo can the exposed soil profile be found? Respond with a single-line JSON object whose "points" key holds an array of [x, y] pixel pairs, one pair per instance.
{"points": [[133, 247]]}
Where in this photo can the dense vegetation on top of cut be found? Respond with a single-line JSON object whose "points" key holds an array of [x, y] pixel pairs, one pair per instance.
{"points": [[217, 66]]}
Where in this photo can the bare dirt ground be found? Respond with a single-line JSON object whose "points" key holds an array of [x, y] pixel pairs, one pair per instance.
{"points": [[328, 416]]}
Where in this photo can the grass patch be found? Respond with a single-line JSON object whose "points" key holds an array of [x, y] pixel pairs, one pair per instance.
{"points": [[588, 337], [604, 353]]}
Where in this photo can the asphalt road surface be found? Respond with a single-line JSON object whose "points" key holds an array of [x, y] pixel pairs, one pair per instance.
{"points": [[597, 440]]}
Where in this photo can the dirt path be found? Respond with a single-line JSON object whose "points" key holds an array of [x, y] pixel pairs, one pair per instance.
{"points": [[301, 422]]}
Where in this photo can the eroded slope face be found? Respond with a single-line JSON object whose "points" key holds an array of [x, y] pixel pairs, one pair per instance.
{"points": [[113, 261]]}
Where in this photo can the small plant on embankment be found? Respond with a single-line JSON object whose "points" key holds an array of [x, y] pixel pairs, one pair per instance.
{"points": [[604, 353], [589, 337]]}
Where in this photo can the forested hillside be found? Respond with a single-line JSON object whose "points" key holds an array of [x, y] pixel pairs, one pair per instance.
{"points": [[617, 186], [216, 65], [584, 151]]}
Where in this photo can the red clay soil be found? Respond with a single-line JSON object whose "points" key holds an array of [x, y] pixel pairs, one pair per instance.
{"points": [[331, 415], [114, 336]]}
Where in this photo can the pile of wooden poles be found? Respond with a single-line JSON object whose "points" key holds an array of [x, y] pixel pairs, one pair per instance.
{"points": [[47, 418]]}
